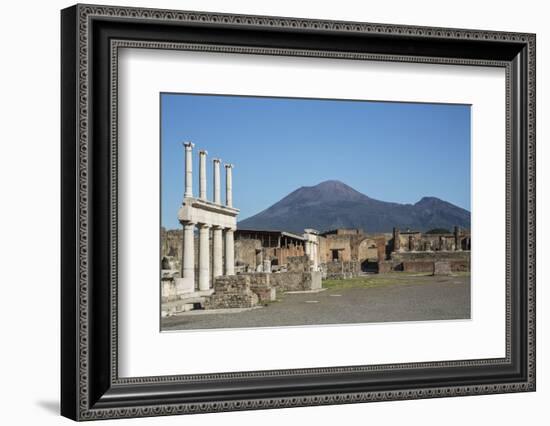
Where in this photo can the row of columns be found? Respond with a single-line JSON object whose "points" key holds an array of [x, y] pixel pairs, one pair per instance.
{"points": [[188, 193], [188, 264], [442, 242]]}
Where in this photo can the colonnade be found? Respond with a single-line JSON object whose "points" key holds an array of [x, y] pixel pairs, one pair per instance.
{"points": [[211, 218]]}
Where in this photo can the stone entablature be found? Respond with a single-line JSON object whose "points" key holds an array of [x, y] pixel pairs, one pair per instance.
{"points": [[196, 210]]}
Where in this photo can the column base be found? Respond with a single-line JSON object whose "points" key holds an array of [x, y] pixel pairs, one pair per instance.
{"points": [[184, 286]]}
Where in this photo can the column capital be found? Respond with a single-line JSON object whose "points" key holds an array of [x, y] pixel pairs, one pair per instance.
{"points": [[216, 160], [188, 145], [204, 225], [203, 152], [188, 224], [228, 165]]}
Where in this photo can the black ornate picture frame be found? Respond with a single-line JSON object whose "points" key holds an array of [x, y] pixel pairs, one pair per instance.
{"points": [[91, 387]]}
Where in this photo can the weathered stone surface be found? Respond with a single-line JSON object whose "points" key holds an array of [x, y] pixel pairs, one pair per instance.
{"points": [[460, 265], [168, 289], [459, 261], [261, 285], [384, 267], [442, 268], [232, 291], [338, 270], [249, 252], [296, 281], [298, 264], [418, 266]]}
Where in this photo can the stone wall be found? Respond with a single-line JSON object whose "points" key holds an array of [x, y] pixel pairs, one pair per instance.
{"points": [[246, 252], [171, 245], [260, 283], [251, 289], [367, 250], [418, 266], [250, 254], [337, 270], [459, 261], [280, 255], [299, 264], [232, 291], [296, 281]]}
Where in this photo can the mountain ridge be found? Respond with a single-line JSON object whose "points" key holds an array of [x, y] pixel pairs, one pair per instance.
{"points": [[333, 204]]}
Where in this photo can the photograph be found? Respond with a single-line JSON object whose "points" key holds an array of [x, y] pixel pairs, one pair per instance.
{"points": [[279, 211], [273, 208]]}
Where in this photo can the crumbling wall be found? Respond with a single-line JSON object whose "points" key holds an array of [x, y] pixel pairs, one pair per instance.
{"points": [[296, 281], [337, 270], [459, 261], [367, 249], [281, 254], [418, 266], [232, 291], [260, 283], [171, 245], [299, 264], [246, 252]]}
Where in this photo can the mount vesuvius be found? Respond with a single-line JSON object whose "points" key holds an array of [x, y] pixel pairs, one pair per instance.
{"points": [[333, 204]]}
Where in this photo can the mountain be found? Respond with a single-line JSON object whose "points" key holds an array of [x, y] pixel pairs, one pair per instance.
{"points": [[333, 204]]}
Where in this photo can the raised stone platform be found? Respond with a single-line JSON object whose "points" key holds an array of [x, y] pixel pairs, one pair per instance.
{"points": [[458, 261]]}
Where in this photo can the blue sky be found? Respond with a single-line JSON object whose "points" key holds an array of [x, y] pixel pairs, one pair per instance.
{"points": [[390, 151]]}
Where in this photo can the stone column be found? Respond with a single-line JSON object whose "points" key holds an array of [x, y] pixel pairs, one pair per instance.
{"points": [[217, 197], [396, 239], [259, 260], [315, 256], [217, 253], [267, 266], [457, 238], [188, 264], [229, 252], [188, 169], [204, 257], [229, 185], [307, 248], [202, 174]]}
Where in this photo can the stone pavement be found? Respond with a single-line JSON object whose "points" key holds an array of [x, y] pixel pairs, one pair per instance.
{"points": [[398, 298]]}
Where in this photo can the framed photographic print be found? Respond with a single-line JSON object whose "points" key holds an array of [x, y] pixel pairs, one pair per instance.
{"points": [[263, 212]]}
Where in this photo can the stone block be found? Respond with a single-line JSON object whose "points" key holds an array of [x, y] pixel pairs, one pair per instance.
{"points": [[184, 285], [418, 266], [232, 291], [384, 267], [316, 281], [442, 268]]}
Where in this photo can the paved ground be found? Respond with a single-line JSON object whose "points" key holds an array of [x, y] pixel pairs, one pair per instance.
{"points": [[375, 298]]}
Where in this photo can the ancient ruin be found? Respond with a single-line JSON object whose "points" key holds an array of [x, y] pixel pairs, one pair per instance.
{"points": [[202, 272], [208, 216], [223, 267]]}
